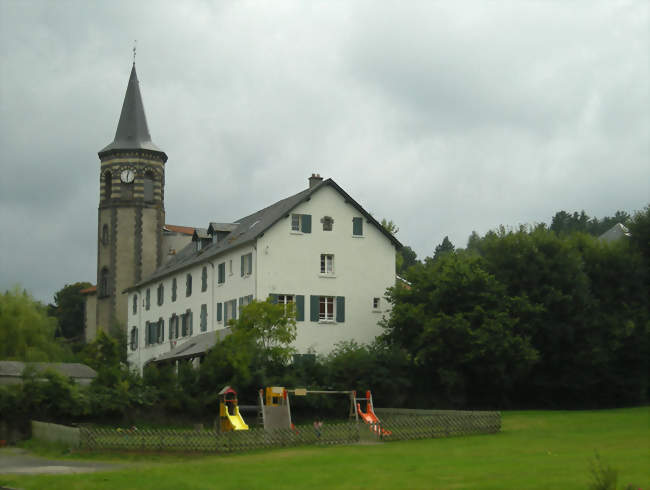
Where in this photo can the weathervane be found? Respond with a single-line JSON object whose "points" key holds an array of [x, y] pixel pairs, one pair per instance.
{"points": [[135, 45]]}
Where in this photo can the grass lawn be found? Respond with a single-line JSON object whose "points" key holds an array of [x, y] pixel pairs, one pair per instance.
{"points": [[535, 450]]}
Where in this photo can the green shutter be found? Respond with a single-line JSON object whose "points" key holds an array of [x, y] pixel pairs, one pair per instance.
{"points": [[171, 324], [219, 311], [300, 308], [242, 266], [340, 309], [306, 223], [250, 263], [146, 333], [314, 308], [357, 226]]}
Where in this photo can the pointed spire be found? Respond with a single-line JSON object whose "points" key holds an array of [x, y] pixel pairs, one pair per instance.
{"points": [[132, 130]]}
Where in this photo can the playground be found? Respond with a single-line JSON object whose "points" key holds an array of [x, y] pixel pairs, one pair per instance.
{"points": [[535, 450]]}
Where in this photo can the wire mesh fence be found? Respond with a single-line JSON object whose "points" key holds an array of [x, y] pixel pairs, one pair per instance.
{"points": [[211, 441], [394, 425], [402, 424]]}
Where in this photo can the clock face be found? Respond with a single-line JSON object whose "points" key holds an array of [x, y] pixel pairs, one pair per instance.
{"points": [[127, 176]]}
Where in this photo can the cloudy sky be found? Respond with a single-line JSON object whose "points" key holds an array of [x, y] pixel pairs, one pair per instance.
{"points": [[445, 117]]}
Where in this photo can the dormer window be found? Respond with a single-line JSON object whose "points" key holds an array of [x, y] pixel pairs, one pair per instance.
{"points": [[198, 245]]}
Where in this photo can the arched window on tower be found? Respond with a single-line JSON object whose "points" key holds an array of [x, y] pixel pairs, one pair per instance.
{"points": [[103, 282], [148, 185], [105, 235], [108, 185]]}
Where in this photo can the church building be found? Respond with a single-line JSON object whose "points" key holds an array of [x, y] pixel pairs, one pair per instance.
{"points": [[175, 289]]}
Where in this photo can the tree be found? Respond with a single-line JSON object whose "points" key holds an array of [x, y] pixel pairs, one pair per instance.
{"points": [[461, 330], [27, 333], [444, 248], [272, 326], [69, 310], [639, 227], [406, 257], [389, 226]]}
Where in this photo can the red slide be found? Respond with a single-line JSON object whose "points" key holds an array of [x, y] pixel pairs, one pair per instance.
{"points": [[369, 417]]}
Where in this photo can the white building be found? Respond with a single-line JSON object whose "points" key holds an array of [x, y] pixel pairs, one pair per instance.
{"points": [[318, 249]]}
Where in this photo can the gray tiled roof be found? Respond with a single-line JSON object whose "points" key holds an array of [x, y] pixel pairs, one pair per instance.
{"points": [[250, 228], [132, 130], [194, 346], [71, 369]]}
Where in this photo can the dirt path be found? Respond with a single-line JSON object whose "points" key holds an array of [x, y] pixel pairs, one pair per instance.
{"points": [[19, 461]]}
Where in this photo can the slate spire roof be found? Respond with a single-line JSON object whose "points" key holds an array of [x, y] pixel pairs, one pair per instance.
{"points": [[132, 130]]}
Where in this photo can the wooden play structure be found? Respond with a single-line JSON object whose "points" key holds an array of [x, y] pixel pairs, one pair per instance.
{"points": [[229, 417], [275, 407]]}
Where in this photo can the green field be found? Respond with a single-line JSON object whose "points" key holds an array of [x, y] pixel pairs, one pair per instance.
{"points": [[535, 450]]}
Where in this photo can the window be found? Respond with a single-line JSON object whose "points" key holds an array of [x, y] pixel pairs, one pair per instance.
{"points": [[186, 323], [173, 327], [230, 311], [148, 185], [147, 301], [326, 311], [134, 338], [108, 185], [105, 240], [287, 301], [135, 304], [204, 279], [160, 294], [204, 318], [221, 272], [301, 223], [328, 223], [188, 285], [326, 264], [375, 303], [103, 282], [246, 264], [357, 226], [154, 332], [245, 301], [173, 290], [297, 303], [160, 331]]}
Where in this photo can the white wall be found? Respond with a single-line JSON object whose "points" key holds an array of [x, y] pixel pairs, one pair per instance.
{"points": [[289, 263], [234, 287], [286, 262]]}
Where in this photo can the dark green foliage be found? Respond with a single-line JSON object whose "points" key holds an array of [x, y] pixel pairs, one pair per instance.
{"points": [[445, 247], [461, 330], [69, 309], [406, 257], [564, 223]]}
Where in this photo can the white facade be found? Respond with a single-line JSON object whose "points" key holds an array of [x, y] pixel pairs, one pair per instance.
{"points": [[337, 274]]}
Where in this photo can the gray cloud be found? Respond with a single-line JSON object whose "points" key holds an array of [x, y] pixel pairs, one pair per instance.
{"points": [[445, 117]]}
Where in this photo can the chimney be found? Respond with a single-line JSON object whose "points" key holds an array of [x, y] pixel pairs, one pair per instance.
{"points": [[314, 180]]}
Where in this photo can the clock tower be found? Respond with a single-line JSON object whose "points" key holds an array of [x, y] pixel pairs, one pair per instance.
{"points": [[131, 213]]}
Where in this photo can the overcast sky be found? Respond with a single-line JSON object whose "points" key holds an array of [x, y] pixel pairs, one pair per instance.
{"points": [[445, 117]]}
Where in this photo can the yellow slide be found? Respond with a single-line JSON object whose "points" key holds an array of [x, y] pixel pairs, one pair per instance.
{"points": [[236, 420]]}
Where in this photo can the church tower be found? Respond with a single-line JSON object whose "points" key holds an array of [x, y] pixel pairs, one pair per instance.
{"points": [[131, 212]]}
